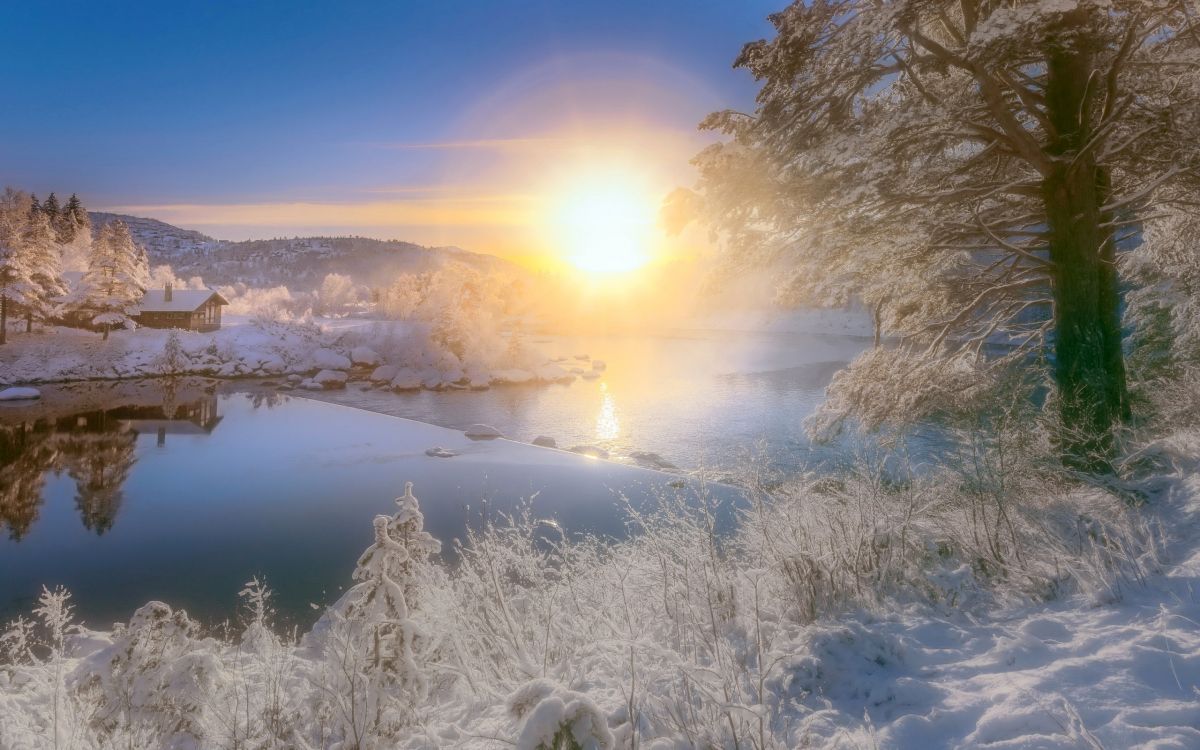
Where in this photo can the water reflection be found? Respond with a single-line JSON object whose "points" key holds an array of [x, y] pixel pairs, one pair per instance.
{"points": [[608, 426], [97, 449]]}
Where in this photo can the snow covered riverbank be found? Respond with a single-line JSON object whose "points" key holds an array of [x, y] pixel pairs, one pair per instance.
{"points": [[392, 354]]}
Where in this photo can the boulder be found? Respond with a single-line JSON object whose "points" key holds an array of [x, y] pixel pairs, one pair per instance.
{"points": [[440, 452], [599, 365], [652, 461], [545, 441], [365, 356], [384, 373], [328, 359], [591, 451], [512, 376], [330, 379], [406, 380], [482, 432]]}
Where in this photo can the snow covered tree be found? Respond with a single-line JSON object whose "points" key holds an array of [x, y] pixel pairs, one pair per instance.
{"points": [[115, 280], [336, 292], [16, 270], [967, 169], [73, 220], [51, 208], [44, 260]]}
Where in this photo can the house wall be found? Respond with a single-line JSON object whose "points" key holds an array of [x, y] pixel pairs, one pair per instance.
{"points": [[206, 318]]}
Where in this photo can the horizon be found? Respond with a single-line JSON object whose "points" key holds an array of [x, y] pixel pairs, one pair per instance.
{"points": [[434, 125]]}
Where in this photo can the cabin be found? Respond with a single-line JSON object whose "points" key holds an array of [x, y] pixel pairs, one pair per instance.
{"points": [[189, 309]]}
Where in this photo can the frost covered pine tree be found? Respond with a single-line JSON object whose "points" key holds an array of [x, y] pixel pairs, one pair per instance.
{"points": [[967, 169], [45, 282], [16, 267], [382, 600], [115, 280]]}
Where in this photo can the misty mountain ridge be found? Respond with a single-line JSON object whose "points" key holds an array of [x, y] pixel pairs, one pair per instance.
{"points": [[298, 262]]}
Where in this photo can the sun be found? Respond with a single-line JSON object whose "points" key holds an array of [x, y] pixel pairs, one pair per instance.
{"points": [[604, 225]]}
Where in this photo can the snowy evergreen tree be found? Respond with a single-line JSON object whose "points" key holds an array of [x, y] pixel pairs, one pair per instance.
{"points": [[16, 270], [72, 221], [51, 208], [45, 282], [116, 278], [966, 168]]}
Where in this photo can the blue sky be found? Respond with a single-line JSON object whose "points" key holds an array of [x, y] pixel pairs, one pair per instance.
{"points": [[171, 107]]}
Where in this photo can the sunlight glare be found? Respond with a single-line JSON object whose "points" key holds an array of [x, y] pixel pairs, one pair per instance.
{"points": [[604, 225]]}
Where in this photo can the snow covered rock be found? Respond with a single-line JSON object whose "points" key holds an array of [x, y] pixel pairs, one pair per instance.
{"points": [[328, 359], [652, 460], [365, 356], [599, 365], [384, 373], [440, 452], [592, 451], [406, 380], [583, 357], [590, 375], [308, 384], [482, 432], [545, 441], [19, 394], [552, 373], [330, 379], [512, 376]]}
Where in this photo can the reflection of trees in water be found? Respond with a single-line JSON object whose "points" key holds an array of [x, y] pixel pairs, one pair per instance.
{"points": [[26, 454], [99, 459], [97, 449]]}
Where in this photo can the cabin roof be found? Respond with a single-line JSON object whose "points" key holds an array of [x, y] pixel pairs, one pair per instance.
{"points": [[182, 300]]}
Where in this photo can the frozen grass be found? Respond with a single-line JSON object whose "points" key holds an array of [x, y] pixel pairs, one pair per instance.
{"points": [[988, 602]]}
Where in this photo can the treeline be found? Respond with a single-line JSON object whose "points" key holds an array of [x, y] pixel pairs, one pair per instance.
{"points": [[41, 241]]}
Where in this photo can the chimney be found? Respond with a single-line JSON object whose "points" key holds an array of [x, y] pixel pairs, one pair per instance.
{"points": [[167, 292]]}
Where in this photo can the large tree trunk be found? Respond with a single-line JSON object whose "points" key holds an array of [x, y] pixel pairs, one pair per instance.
{"points": [[1089, 366]]}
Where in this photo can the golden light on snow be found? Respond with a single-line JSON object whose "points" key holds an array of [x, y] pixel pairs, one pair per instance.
{"points": [[605, 224]]}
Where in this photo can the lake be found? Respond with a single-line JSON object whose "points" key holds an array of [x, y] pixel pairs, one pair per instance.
{"points": [[701, 399], [126, 492]]}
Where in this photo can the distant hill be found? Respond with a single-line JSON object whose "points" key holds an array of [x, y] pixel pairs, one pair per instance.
{"points": [[299, 263]]}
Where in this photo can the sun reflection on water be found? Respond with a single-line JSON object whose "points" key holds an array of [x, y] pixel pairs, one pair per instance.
{"points": [[608, 427]]}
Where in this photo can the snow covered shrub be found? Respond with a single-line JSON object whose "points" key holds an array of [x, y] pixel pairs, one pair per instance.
{"points": [[374, 679], [155, 675], [554, 718], [173, 360]]}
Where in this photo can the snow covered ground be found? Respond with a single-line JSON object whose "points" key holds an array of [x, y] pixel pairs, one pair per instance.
{"points": [[674, 638], [322, 354]]}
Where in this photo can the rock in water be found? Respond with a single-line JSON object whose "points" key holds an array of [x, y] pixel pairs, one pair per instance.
{"points": [[483, 432], [440, 452], [330, 379]]}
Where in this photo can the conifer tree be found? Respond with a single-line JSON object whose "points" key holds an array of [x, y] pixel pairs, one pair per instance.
{"points": [[73, 219], [44, 262], [115, 280], [16, 274], [51, 208]]}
